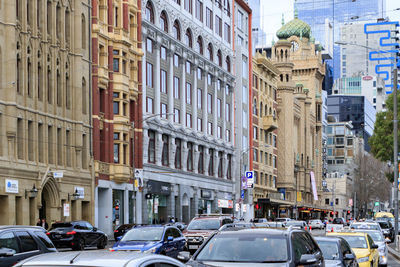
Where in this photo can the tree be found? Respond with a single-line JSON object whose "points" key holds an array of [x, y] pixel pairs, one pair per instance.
{"points": [[381, 141]]}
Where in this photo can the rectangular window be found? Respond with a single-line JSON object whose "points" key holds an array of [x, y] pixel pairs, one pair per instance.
{"points": [[201, 160], [152, 147], [199, 10], [219, 108], [165, 151], [149, 45], [188, 93], [199, 98], [219, 84], [163, 81], [228, 135], [209, 18], [188, 67], [190, 156], [116, 107], [177, 116], [209, 79], [149, 75], [210, 128], [40, 142], [59, 146], [219, 132], [245, 68], [209, 103], [211, 163], [116, 152], [176, 60], [255, 133], [240, 20], [116, 64], [31, 152], [245, 94], [218, 25], [176, 87], [199, 124], [68, 148], [149, 106], [228, 112], [244, 119], [50, 150], [188, 6], [199, 73], [188, 120], [227, 33], [178, 153], [163, 53], [164, 110]]}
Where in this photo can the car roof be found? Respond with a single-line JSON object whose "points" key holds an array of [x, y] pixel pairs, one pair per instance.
{"points": [[246, 231], [329, 239], [27, 227], [346, 233], [94, 258], [365, 223]]}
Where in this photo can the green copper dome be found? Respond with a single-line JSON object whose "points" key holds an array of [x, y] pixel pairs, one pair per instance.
{"points": [[295, 27]]}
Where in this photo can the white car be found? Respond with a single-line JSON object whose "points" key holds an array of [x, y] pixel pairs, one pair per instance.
{"points": [[316, 224]]}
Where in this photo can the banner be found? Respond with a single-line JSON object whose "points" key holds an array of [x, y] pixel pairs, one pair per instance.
{"points": [[314, 186], [298, 197]]}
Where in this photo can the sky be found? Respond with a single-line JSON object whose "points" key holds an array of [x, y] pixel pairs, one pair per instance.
{"points": [[271, 14]]}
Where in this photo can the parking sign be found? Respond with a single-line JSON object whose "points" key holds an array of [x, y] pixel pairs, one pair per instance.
{"points": [[250, 179]]}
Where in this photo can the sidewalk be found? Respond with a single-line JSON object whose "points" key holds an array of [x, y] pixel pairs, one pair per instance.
{"points": [[392, 251]]}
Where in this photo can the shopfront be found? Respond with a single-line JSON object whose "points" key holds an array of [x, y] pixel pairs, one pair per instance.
{"points": [[226, 206], [205, 202], [157, 197]]}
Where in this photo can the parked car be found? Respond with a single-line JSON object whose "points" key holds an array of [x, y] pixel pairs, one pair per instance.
{"points": [[201, 227], [77, 235], [301, 224], [260, 220], [122, 229], [387, 229], [283, 220], [100, 258], [336, 252], [314, 224], [339, 220], [156, 239], [250, 247], [379, 240], [20, 242], [363, 247]]}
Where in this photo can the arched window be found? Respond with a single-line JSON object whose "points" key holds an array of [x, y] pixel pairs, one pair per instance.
{"points": [[210, 52], [261, 109], [287, 77], [266, 110], [164, 21], [149, 12], [176, 30], [228, 64], [219, 58], [199, 45], [188, 38], [83, 96], [255, 107], [83, 32]]}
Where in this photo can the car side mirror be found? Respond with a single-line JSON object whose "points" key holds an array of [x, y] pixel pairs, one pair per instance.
{"points": [[7, 252], [374, 246], [119, 238], [170, 238], [94, 229], [307, 259], [349, 256], [184, 256], [387, 240]]}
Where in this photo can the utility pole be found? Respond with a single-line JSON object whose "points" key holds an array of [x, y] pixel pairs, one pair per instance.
{"points": [[355, 205], [395, 155]]}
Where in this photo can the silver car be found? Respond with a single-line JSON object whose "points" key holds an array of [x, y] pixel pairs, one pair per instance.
{"points": [[379, 240], [100, 258], [314, 224]]}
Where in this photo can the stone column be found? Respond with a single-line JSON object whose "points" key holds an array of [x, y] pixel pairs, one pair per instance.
{"points": [[196, 154], [214, 109], [184, 154], [216, 163], [144, 63], [205, 111], [156, 78], [194, 93], [224, 165], [159, 146], [223, 135], [170, 85], [145, 145], [206, 160], [172, 151], [183, 89]]}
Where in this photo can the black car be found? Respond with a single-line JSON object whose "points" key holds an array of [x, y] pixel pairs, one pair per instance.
{"points": [[339, 221], [265, 246], [122, 229], [20, 242], [77, 235], [387, 229], [336, 252]]}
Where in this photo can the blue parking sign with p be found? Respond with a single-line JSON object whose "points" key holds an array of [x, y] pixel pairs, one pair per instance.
{"points": [[249, 175]]}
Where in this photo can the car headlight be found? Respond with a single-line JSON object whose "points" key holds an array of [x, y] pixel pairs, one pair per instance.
{"points": [[363, 259], [151, 250]]}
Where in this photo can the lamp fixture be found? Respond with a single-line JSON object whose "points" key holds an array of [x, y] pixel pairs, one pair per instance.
{"points": [[32, 193], [74, 196]]}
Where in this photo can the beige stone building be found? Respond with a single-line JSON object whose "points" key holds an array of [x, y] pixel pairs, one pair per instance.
{"points": [[299, 117], [265, 130], [45, 112]]}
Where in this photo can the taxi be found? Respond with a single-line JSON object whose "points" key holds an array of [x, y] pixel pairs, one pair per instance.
{"points": [[363, 247]]}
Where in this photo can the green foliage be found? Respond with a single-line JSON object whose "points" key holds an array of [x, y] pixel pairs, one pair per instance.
{"points": [[381, 141]]}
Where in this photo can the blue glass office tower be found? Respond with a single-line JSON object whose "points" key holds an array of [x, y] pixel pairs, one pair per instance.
{"points": [[314, 12]]}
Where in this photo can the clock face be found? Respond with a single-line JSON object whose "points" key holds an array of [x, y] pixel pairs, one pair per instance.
{"points": [[295, 46]]}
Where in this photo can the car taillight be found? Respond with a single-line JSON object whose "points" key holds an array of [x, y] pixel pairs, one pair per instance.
{"points": [[71, 233], [115, 231], [47, 233]]}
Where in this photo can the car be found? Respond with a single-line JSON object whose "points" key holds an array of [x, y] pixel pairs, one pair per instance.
{"points": [[363, 247], [76, 235], [365, 226], [314, 224], [260, 220], [301, 224], [378, 239], [336, 252], [20, 242], [157, 239], [201, 227], [387, 229], [339, 220], [236, 225], [284, 220], [270, 224], [257, 247], [100, 258], [122, 229]]}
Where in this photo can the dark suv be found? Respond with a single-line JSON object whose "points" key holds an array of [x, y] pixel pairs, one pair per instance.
{"points": [[201, 227], [77, 235], [265, 246], [387, 229], [20, 242]]}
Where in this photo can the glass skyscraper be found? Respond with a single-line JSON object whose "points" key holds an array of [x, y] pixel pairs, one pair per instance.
{"points": [[337, 12]]}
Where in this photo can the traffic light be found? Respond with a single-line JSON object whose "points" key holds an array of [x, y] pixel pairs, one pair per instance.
{"points": [[116, 207], [331, 213], [257, 206]]}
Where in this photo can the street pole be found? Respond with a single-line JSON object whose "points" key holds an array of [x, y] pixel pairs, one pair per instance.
{"points": [[395, 154], [355, 205]]}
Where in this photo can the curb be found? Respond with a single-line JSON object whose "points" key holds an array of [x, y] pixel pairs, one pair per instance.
{"points": [[394, 253]]}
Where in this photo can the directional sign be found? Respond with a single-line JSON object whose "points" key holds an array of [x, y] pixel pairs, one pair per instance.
{"points": [[242, 194]]}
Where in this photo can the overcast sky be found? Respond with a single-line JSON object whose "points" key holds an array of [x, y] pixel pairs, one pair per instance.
{"points": [[271, 15]]}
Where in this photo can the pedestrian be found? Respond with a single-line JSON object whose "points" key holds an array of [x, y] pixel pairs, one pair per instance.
{"points": [[44, 224], [39, 222]]}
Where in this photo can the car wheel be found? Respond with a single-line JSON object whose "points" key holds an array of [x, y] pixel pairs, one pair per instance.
{"points": [[102, 243], [80, 245]]}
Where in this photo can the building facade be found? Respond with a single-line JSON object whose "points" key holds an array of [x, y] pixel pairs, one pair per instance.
{"points": [[299, 115], [188, 107], [116, 82], [45, 122], [266, 197]]}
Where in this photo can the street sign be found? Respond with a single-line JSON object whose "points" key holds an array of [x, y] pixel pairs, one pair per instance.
{"points": [[376, 203], [250, 179], [138, 179], [58, 174], [242, 194]]}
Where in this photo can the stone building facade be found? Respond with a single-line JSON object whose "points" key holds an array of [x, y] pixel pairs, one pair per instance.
{"points": [[116, 79], [188, 107], [299, 116], [45, 121]]}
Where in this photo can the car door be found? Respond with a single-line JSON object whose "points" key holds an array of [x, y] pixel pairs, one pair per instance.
{"points": [[169, 247], [9, 241], [345, 249], [83, 232], [374, 252], [28, 245], [179, 241], [314, 249], [94, 236]]}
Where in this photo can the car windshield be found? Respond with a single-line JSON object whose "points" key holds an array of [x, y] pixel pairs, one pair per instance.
{"points": [[258, 248], [204, 224], [294, 223], [144, 234], [376, 236], [384, 225], [355, 241], [364, 226], [330, 249], [281, 220]]}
